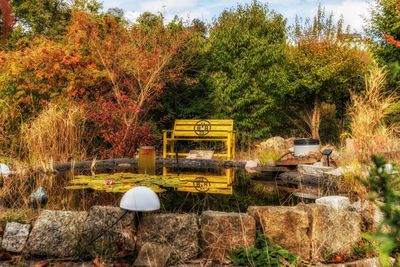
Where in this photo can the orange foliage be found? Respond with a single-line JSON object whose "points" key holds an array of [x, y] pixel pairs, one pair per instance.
{"points": [[136, 64], [117, 72], [390, 39], [8, 19]]}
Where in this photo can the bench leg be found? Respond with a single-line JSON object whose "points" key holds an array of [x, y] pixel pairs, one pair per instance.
{"points": [[228, 147], [233, 146], [172, 146], [165, 145]]}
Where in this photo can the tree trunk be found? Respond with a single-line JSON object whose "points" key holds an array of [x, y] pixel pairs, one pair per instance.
{"points": [[316, 118]]}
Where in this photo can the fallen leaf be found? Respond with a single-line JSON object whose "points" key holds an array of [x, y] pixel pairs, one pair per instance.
{"points": [[98, 263], [42, 263], [338, 258]]}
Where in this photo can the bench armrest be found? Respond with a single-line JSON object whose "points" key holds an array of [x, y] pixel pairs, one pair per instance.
{"points": [[166, 133]]}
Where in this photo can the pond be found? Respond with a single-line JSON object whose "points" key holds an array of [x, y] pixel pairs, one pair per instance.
{"points": [[179, 190]]}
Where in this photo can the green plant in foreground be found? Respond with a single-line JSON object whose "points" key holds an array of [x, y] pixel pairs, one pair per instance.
{"points": [[263, 254], [384, 184], [365, 249]]}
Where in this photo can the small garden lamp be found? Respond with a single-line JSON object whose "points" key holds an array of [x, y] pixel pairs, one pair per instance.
{"points": [[327, 153], [139, 199]]}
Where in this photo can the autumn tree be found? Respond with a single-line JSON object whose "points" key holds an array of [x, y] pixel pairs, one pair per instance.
{"points": [[326, 63], [246, 67], [134, 65], [116, 71]]}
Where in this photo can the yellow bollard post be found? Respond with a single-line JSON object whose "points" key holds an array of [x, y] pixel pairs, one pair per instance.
{"points": [[147, 160]]}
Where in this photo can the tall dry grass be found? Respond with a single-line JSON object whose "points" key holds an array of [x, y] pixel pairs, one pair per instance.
{"points": [[369, 128], [56, 135], [10, 120]]}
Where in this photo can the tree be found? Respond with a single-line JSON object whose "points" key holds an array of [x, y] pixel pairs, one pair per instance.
{"points": [[385, 17], [326, 64], [246, 67], [383, 30], [117, 72], [187, 97], [134, 64], [48, 18]]}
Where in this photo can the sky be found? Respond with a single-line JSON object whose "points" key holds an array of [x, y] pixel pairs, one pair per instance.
{"points": [[353, 11]]}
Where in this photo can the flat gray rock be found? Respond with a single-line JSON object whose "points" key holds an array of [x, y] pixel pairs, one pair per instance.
{"points": [[15, 237], [179, 231], [57, 233], [153, 255]]}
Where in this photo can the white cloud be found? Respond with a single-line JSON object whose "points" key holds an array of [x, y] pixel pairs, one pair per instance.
{"points": [[132, 15], [170, 5], [353, 12]]}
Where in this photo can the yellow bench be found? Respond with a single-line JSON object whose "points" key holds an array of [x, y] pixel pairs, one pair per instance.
{"points": [[199, 131]]}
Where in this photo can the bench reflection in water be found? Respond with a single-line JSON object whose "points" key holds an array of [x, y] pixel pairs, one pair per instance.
{"points": [[216, 181]]}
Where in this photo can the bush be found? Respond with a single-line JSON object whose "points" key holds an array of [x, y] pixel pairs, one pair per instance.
{"points": [[384, 183], [263, 254]]}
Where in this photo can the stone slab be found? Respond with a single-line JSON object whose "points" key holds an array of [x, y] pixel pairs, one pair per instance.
{"points": [[56, 233], [15, 237], [153, 255], [285, 226], [179, 231]]}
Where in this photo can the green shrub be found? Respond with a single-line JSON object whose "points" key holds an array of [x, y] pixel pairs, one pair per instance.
{"points": [[384, 184], [263, 254]]}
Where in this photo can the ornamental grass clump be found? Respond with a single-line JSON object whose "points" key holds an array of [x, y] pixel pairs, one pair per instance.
{"points": [[56, 135], [370, 127]]}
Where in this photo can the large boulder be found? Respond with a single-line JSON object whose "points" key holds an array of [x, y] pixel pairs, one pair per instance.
{"points": [[285, 226], [153, 255], [332, 230], [56, 233], [179, 231], [15, 237], [109, 230], [221, 232]]}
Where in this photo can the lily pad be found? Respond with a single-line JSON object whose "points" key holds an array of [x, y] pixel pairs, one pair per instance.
{"points": [[122, 182]]}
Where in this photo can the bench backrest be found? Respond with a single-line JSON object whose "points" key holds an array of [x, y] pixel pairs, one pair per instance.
{"points": [[202, 128]]}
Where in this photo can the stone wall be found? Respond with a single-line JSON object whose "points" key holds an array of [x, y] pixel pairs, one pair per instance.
{"points": [[309, 231]]}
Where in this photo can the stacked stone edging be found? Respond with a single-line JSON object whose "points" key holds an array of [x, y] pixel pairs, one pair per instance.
{"points": [[309, 231]]}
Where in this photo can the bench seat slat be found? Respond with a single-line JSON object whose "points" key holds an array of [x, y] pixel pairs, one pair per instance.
{"points": [[230, 122]]}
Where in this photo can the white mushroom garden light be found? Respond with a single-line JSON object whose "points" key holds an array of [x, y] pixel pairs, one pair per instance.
{"points": [[138, 200]]}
